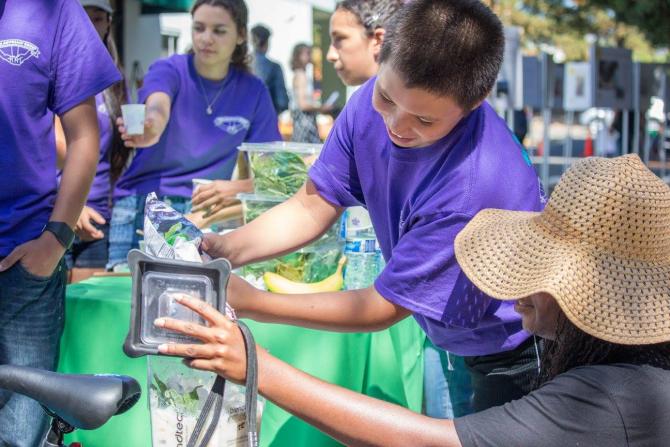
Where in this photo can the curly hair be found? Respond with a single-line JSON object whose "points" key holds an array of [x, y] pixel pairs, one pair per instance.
{"points": [[371, 14], [573, 347], [239, 12]]}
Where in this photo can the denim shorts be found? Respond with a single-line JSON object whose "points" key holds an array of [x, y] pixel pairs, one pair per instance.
{"points": [[127, 218], [91, 254]]}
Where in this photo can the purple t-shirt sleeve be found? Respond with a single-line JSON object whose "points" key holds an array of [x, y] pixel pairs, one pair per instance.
{"points": [[82, 66], [162, 76], [334, 173], [264, 127], [423, 275]]}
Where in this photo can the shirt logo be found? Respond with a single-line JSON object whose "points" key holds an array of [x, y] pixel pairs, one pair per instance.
{"points": [[232, 124], [17, 51]]}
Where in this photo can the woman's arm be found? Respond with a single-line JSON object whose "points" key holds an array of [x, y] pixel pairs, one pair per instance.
{"points": [[349, 417], [157, 115]]}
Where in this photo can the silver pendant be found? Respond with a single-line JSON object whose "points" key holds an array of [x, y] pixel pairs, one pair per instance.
{"points": [[209, 110]]}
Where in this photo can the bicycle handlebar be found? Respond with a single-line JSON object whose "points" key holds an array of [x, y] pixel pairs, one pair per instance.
{"points": [[82, 400]]}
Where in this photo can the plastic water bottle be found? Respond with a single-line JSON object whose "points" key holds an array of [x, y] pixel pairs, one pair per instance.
{"points": [[363, 262]]}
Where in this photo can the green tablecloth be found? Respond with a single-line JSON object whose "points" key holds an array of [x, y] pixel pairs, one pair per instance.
{"points": [[386, 364]]}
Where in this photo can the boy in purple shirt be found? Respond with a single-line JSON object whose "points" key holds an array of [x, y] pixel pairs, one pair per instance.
{"points": [[51, 62], [422, 150]]}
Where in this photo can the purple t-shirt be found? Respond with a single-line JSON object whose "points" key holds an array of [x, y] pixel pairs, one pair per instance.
{"points": [[419, 199], [98, 197], [51, 59], [195, 144]]}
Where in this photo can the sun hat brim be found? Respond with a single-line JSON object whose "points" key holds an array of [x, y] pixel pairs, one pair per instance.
{"points": [[511, 254]]}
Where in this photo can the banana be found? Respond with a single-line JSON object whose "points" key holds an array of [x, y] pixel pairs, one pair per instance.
{"points": [[279, 284]]}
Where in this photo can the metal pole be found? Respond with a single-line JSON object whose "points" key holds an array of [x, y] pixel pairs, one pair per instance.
{"points": [[636, 108], [567, 142], [624, 131], [546, 118]]}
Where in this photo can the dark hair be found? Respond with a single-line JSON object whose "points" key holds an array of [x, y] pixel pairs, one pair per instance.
{"points": [[260, 35], [573, 347], [239, 12], [114, 96], [371, 14], [295, 55], [451, 48]]}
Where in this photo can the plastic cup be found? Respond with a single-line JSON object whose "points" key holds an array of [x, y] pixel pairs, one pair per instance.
{"points": [[133, 118]]}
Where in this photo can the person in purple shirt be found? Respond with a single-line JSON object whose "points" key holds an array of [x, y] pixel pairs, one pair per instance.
{"points": [[51, 62], [200, 108], [89, 252], [357, 29], [422, 150]]}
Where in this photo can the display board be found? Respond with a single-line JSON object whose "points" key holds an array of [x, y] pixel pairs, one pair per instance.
{"points": [[577, 93], [612, 77]]}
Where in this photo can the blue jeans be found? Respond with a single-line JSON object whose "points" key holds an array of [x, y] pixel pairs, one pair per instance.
{"points": [[89, 254], [32, 314], [446, 384], [127, 218]]}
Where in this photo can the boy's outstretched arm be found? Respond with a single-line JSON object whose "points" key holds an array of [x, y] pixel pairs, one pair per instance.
{"points": [[363, 310], [349, 417], [281, 230]]}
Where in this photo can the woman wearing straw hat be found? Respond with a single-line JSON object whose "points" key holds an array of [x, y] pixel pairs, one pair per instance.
{"points": [[591, 274]]}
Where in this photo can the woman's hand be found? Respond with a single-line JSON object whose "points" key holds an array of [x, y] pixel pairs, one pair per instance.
{"points": [[215, 196], [150, 136], [222, 350], [39, 256], [85, 229]]}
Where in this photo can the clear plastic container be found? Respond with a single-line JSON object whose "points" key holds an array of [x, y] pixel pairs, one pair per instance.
{"points": [[280, 168], [159, 291]]}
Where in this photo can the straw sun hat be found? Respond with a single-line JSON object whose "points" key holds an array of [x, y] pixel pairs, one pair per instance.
{"points": [[601, 248]]}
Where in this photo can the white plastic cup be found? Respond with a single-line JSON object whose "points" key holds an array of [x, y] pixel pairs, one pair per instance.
{"points": [[133, 118]]}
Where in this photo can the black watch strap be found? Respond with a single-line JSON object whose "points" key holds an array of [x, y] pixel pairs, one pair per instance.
{"points": [[64, 234]]}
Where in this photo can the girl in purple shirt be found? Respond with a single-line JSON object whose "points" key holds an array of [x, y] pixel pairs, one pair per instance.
{"points": [[199, 108]]}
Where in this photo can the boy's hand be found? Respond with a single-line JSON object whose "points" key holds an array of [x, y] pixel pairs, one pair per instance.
{"points": [[85, 229], [212, 244], [39, 256]]}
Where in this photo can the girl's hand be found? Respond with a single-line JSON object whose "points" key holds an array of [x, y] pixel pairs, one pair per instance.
{"points": [[215, 196], [222, 350], [150, 136]]}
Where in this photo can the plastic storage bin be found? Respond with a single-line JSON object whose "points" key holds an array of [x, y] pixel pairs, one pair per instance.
{"points": [[280, 168]]}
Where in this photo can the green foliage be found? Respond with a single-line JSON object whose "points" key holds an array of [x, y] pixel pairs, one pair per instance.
{"points": [[564, 25], [278, 174]]}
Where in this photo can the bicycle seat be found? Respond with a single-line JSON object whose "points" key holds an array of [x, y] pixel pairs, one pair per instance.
{"points": [[82, 400]]}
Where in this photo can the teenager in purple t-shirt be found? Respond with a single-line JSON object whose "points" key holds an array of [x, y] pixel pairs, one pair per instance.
{"points": [[357, 29], [422, 150], [89, 252], [51, 62], [200, 108]]}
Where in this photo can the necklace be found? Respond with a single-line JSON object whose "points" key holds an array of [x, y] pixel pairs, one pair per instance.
{"points": [[204, 94]]}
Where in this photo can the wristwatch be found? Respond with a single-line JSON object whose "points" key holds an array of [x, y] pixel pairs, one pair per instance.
{"points": [[64, 234]]}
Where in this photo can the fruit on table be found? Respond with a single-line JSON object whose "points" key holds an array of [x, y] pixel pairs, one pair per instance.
{"points": [[279, 284]]}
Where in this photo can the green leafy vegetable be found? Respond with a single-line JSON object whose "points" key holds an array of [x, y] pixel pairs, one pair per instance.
{"points": [[278, 174]]}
